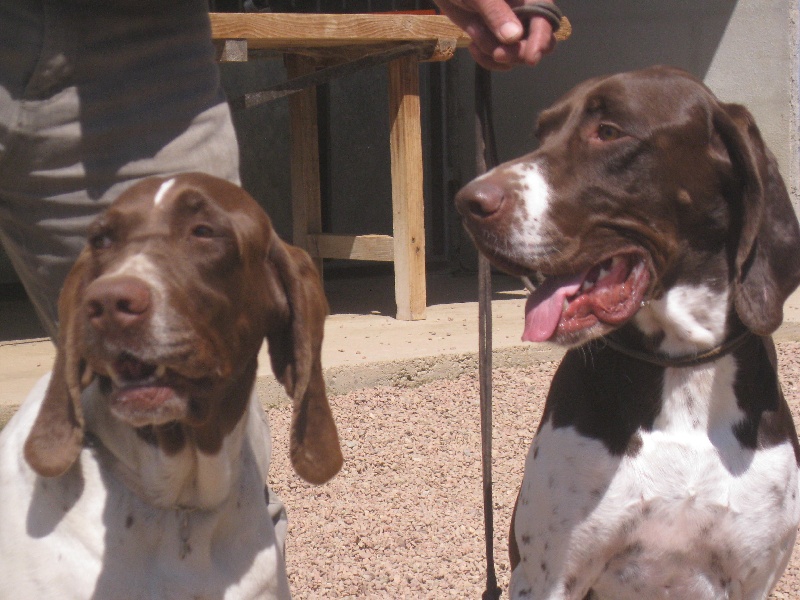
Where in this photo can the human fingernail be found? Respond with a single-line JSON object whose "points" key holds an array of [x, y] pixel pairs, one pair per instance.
{"points": [[510, 31]]}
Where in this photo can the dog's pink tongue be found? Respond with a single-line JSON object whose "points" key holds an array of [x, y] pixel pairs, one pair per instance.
{"points": [[543, 308]]}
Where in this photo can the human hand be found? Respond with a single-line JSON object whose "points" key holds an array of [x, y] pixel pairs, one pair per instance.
{"points": [[498, 40]]}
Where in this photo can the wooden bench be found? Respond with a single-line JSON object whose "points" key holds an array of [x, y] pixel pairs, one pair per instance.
{"points": [[315, 46]]}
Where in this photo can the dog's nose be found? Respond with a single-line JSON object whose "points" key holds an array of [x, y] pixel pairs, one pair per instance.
{"points": [[118, 302], [479, 199]]}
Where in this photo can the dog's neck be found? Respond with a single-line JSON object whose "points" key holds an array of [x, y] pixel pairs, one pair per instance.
{"points": [[686, 320], [696, 321], [186, 479]]}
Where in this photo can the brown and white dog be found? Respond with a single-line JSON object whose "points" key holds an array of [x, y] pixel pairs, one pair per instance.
{"points": [[137, 470], [662, 245]]}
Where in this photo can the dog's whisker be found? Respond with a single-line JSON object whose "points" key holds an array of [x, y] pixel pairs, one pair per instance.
{"points": [[528, 284]]}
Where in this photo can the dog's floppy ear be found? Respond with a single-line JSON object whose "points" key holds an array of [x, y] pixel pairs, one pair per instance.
{"points": [[56, 437], [767, 259], [295, 345]]}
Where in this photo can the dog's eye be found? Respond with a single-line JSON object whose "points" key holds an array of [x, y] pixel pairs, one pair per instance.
{"points": [[203, 231], [608, 133]]}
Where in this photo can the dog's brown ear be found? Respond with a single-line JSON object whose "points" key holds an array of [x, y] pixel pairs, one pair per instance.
{"points": [[295, 345], [767, 259], [56, 438]]}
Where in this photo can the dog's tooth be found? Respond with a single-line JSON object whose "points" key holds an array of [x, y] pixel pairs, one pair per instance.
{"points": [[605, 272], [115, 378], [87, 376], [161, 370], [587, 285], [566, 304]]}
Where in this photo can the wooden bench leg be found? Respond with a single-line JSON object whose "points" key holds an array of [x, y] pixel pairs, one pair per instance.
{"points": [[407, 191], [306, 195]]}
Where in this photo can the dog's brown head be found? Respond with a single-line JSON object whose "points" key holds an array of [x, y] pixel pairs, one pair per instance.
{"points": [[643, 183], [167, 307]]}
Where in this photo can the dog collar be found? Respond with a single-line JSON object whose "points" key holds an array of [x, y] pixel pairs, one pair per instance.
{"points": [[690, 360]]}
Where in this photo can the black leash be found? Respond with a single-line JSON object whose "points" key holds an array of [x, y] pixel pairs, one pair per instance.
{"points": [[485, 159]]}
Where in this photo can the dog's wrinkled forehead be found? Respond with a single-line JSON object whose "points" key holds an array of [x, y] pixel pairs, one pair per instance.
{"points": [[641, 101], [202, 205], [158, 197]]}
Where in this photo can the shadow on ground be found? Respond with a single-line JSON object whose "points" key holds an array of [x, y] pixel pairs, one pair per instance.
{"points": [[350, 291], [372, 292], [18, 320]]}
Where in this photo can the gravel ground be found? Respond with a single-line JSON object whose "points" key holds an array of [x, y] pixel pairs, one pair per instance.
{"points": [[403, 519]]}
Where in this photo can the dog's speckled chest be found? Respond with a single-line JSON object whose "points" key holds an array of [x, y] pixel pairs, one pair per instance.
{"points": [[686, 512]]}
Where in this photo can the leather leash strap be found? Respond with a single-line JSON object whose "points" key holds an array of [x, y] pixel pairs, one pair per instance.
{"points": [[560, 24], [485, 159], [550, 12]]}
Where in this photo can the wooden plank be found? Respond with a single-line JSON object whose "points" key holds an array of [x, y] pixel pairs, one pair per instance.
{"points": [[407, 192], [306, 194], [282, 30], [352, 247], [320, 76], [429, 51]]}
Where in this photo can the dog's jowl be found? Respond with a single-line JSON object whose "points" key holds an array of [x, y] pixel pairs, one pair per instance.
{"points": [[661, 244]]}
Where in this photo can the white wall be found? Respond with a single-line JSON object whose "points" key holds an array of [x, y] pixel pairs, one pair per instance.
{"points": [[756, 65]]}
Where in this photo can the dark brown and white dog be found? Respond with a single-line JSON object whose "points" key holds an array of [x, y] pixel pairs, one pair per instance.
{"points": [[662, 245], [138, 469]]}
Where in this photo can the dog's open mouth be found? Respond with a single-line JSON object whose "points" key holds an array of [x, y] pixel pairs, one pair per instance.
{"points": [[143, 393], [609, 292]]}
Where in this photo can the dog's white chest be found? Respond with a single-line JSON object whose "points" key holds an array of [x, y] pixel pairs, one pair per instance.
{"points": [[687, 514], [698, 530], [86, 534]]}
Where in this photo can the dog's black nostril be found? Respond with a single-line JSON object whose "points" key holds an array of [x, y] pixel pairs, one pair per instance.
{"points": [[480, 199], [94, 309], [135, 304]]}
